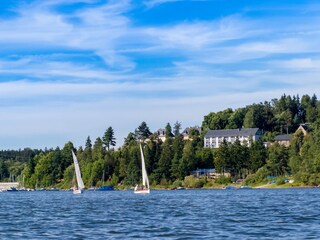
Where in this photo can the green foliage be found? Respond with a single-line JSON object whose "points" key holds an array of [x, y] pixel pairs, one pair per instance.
{"points": [[217, 120], [257, 156], [191, 182], [177, 183], [174, 159], [176, 128], [168, 131], [142, 132], [69, 177], [187, 161], [164, 164], [259, 177], [223, 180], [222, 157], [177, 148], [236, 118], [280, 181], [277, 162], [88, 143], [259, 116], [4, 173], [108, 138], [130, 139]]}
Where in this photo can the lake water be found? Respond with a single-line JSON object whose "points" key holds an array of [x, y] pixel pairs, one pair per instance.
{"points": [[184, 214]]}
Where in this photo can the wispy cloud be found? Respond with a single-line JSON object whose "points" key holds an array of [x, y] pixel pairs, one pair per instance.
{"points": [[152, 3], [62, 68]]}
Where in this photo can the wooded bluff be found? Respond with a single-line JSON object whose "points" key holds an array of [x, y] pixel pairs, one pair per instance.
{"points": [[170, 162]]}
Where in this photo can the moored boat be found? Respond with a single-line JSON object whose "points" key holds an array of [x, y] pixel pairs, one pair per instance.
{"points": [[105, 188]]}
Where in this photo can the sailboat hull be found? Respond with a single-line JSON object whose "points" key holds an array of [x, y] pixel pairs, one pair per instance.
{"points": [[77, 191], [143, 191]]}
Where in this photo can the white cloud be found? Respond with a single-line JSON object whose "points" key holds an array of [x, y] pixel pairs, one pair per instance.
{"points": [[209, 65], [299, 64]]}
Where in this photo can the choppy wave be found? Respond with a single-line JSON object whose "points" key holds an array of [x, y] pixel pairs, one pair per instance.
{"points": [[185, 214]]}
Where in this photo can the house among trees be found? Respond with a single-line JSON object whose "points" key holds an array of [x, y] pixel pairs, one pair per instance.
{"points": [[188, 132], [214, 138], [161, 134], [209, 173], [285, 139]]}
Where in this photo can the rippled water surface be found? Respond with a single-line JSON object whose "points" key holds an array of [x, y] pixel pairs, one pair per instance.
{"points": [[185, 214]]}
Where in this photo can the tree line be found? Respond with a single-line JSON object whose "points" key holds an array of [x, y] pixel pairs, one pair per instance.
{"points": [[172, 160]]}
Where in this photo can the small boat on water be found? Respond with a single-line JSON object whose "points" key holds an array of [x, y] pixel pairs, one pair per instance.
{"points": [[77, 189], [105, 188], [230, 188], [12, 189], [145, 188]]}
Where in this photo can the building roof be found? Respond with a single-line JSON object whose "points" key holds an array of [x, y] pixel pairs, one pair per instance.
{"points": [[232, 132], [304, 127], [204, 170], [187, 130], [284, 137], [161, 132]]}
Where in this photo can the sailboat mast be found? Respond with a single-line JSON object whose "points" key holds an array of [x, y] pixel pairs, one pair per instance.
{"points": [[145, 180], [77, 170]]}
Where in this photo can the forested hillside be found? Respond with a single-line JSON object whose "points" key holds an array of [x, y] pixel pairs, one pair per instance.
{"points": [[277, 116], [169, 163]]}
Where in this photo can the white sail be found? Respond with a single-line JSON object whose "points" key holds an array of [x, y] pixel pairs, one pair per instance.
{"points": [[145, 180], [77, 170]]}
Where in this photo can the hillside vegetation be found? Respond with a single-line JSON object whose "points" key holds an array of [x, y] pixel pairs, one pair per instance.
{"points": [[169, 163]]}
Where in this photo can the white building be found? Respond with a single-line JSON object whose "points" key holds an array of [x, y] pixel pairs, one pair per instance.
{"points": [[214, 138], [161, 134]]}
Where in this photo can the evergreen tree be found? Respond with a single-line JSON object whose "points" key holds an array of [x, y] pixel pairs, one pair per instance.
{"points": [[222, 157], [3, 170], [87, 153], [277, 162], [65, 157], [257, 156], [108, 138], [88, 143], [164, 164], [134, 166], [176, 128], [142, 132], [98, 150], [187, 162], [130, 139], [205, 158], [168, 131], [177, 148]]}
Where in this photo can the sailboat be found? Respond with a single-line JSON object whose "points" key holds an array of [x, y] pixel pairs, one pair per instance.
{"points": [[144, 189], [79, 189]]}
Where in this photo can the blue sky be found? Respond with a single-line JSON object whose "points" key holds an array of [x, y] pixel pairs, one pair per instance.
{"points": [[72, 68]]}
